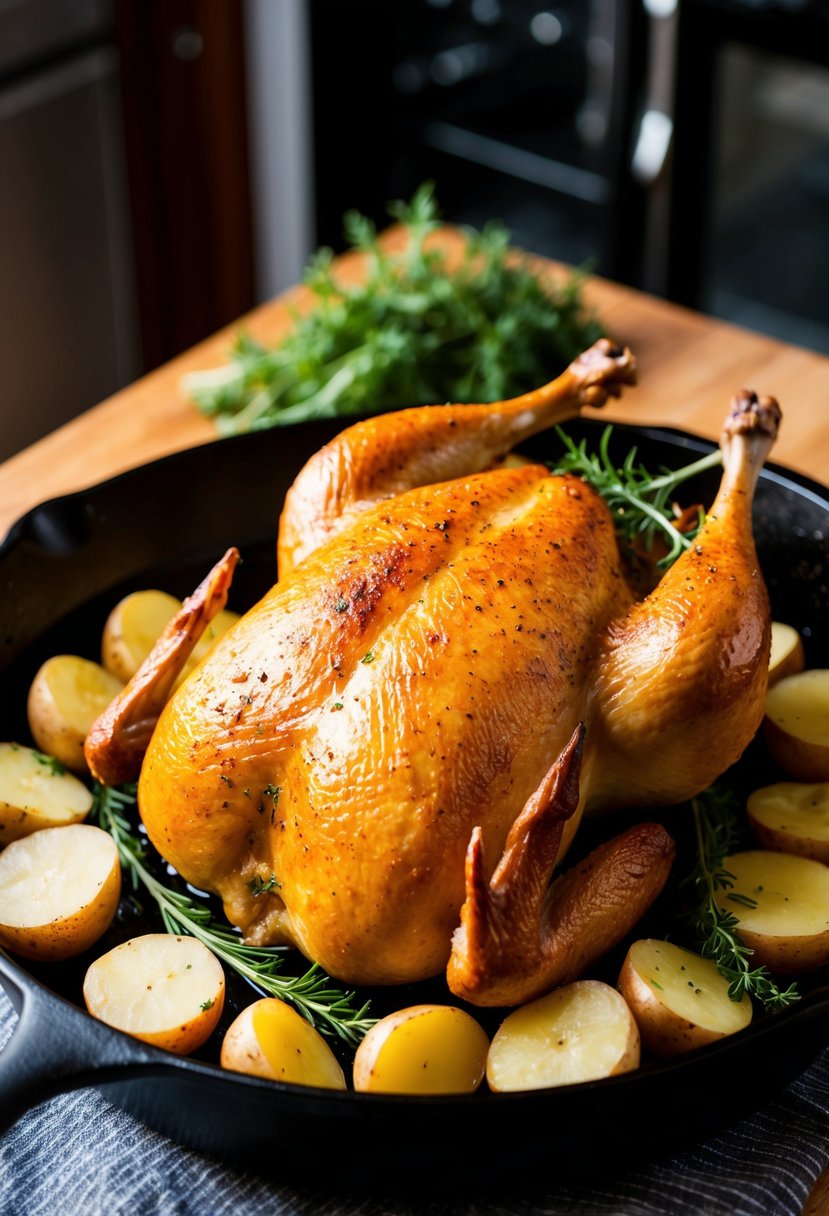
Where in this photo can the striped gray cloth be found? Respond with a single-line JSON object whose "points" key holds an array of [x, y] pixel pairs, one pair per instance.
{"points": [[77, 1155]]}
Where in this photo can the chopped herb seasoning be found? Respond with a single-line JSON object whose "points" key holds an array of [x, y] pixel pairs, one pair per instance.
{"points": [[261, 886], [54, 766]]}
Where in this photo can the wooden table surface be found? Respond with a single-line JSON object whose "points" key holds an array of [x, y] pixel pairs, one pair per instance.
{"points": [[689, 367]]}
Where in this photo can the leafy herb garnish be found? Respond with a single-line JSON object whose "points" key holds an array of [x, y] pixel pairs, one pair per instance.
{"points": [[716, 929], [49, 762], [641, 504], [261, 886], [314, 995], [412, 333]]}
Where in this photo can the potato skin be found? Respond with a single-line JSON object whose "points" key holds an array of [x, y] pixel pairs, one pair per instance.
{"points": [[778, 839], [803, 697], [51, 729], [800, 758], [449, 1058], [51, 734], [119, 653], [243, 1052], [787, 955], [783, 953], [664, 1032]]}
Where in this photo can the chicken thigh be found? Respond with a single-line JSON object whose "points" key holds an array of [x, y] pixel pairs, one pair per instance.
{"points": [[383, 762]]}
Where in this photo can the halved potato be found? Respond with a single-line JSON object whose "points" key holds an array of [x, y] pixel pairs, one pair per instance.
{"points": [[66, 696], [581, 1032], [792, 817], [59, 890], [788, 929], [787, 655], [424, 1049], [36, 792], [679, 999], [137, 621], [796, 724], [165, 990], [132, 629], [270, 1039]]}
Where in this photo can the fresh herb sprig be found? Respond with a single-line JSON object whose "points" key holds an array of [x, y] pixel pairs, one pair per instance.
{"points": [[642, 504], [715, 928], [413, 332], [327, 1007]]}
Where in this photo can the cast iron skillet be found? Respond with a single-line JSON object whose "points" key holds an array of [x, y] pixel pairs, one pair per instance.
{"points": [[62, 568]]}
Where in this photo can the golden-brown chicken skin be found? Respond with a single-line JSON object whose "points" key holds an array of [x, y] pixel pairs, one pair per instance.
{"points": [[448, 675]]}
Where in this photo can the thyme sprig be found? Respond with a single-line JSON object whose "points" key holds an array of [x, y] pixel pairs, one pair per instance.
{"points": [[327, 1007], [642, 504], [716, 928]]}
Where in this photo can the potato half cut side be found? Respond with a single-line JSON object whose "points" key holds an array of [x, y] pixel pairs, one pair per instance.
{"points": [[59, 890], [792, 817], [168, 991], [679, 999], [796, 724], [581, 1032], [66, 696], [423, 1049], [36, 792], [270, 1039], [788, 928], [787, 655], [132, 629]]}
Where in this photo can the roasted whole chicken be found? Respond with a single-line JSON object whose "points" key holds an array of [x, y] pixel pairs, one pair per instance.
{"points": [[386, 759]]}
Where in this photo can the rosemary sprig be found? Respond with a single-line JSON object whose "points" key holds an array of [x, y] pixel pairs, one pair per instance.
{"points": [[716, 929], [327, 1007], [641, 504]]}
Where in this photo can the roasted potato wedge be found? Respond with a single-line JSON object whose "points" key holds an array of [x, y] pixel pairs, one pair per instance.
{"points": [[36, 792], [796, 724], [679, 999], [788, 928], [787, 654], [424, 1049], [270, 1039], [164, 990], [580, 1032], [66, 696], [792, 817], [59, 890]]}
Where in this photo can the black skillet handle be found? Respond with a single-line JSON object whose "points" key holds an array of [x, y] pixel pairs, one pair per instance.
{"points": [[56, 1047]]}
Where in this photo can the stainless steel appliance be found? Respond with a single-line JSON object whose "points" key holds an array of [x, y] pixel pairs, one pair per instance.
{"points": [[681, 146]]}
